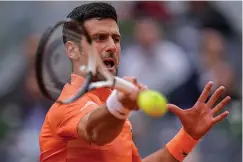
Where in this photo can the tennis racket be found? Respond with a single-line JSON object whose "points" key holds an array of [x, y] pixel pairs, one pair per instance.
{"points": [[53, 67]]}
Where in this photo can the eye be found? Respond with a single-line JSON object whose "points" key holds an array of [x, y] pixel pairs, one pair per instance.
{"points": [[100, 37], [116, 39]]}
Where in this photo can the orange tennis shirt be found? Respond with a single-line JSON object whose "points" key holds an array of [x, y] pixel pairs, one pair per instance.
{"points": [[59, 138]]}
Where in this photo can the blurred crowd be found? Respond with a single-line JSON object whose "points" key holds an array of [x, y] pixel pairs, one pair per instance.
{"points": [[173, 47]]}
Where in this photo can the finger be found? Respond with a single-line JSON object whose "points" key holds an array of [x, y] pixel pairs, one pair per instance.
{"points": [[175, 110], [142, 86], [131, 95], [221, 105], [131, 79], [215, 96], [134, 95], [220, 117], [204, 95]]}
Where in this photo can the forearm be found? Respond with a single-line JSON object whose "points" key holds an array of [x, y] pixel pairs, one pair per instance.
{"points": [[102, 127], [104, 124], [162, 155]]}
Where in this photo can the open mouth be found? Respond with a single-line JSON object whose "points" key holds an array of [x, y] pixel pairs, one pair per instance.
{"points": [[109, 62]]}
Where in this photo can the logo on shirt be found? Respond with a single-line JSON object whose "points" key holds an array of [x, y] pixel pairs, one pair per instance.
{"points": [[130, 125], [184, 154], [88, 104]]}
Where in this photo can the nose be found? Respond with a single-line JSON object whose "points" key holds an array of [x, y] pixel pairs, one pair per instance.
{"points": [[111, 46]]}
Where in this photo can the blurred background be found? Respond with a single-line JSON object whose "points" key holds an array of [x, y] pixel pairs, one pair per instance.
{"points": [[173, 47]]}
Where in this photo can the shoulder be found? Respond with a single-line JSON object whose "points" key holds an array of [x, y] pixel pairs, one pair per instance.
{"points": [[58, 112]]}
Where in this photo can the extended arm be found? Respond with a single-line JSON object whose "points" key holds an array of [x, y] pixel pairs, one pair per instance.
{"points": [[104, 124], [196, 121], [100, 126]]}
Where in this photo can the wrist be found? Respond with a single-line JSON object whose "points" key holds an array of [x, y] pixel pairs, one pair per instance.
{"points": [[181, 145], [116, 108]]}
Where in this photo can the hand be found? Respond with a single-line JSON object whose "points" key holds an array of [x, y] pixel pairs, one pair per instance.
{"points": [[201, 117], [129, 101]]}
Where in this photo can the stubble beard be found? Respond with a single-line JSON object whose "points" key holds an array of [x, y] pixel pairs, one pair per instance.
{"points": [[100, 77]]}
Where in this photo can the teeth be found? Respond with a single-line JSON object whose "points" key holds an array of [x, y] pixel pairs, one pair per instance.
{"points": [[108, 64]]}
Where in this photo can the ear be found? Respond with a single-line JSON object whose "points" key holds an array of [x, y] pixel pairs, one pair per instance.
{"points": [[72, 50]]}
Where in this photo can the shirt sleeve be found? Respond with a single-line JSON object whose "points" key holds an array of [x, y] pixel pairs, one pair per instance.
{"points": [[64, 119]]}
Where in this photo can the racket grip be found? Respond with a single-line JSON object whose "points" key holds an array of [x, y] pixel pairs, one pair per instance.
{"points": [[123, 85]]}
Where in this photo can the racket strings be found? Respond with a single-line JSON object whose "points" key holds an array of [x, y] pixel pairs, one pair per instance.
{"points": [[72, 35], [75, 30], [55, 65]]}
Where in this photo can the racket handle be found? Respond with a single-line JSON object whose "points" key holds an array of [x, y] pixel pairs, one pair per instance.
{"points": [[123, 85]]}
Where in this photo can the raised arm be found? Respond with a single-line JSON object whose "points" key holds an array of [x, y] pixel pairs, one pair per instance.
{"points": [[196, 121]]}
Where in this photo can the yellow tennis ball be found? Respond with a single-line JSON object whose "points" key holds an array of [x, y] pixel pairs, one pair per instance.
{"points": [[152, 103]]}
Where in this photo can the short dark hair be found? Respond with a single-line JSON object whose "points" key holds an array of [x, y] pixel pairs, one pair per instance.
{"points": [[88, 11]]}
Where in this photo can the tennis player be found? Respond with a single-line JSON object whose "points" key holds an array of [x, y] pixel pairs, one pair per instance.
{"points": [[95, 128]]}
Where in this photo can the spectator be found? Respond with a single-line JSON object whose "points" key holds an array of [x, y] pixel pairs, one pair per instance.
{"points": [[207, 16], [30, 108], [164, 67]]}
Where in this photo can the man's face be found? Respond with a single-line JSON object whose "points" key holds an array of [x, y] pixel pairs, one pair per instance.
{"points": [[106, 39]]}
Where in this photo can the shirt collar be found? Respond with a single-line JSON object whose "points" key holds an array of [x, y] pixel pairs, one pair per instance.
{"points": [[102, 93], [76, 80]]}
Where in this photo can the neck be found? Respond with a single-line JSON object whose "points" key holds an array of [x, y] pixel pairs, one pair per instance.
{"points": [[77, 71]]}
